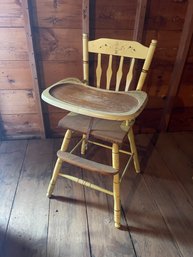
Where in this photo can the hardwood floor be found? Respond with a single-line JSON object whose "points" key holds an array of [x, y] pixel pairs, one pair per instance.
{"points": [[157, 205]]}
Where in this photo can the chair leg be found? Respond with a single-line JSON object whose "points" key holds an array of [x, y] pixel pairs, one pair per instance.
{"points": [[84, 144], [116, 186], [58, 164], [134, 150]]}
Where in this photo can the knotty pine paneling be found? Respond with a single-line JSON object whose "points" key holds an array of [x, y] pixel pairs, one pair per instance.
{"points": [[13, 44], [15, 126], [56, 70], [114, 33], [15, 75], [18, 105], [57, 14], [17, 101], [57, 29], [11, 14], [167, 46], [114, 15], [165, 15], [59, 44]]}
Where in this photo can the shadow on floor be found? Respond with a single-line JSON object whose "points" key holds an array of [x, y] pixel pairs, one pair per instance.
{"points": [[18, 245]]}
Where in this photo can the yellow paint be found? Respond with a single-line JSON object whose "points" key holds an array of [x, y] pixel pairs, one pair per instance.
{"points": [[111, 47]]}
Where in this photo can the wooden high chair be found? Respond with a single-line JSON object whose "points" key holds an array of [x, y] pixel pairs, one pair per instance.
{"points": [[103, 114]]}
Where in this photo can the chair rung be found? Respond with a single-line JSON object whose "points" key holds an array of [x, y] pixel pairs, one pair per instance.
{"points": [[86, 164]]}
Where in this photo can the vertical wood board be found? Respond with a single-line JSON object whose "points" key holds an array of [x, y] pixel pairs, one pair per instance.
{"points": [[13, 45], [139, 20], [11, 14], [31, 53], [184, 45], [61, 14], [100, 214], [67, 234], [12, 154], [53, 46], [169, 197], [15, 75], [27, 230]]}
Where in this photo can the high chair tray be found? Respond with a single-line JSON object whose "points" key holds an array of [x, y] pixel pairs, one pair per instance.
{"points": [[72, 95]]}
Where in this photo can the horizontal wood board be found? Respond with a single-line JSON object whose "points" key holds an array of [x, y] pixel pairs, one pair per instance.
{"points": [[56, 30]]}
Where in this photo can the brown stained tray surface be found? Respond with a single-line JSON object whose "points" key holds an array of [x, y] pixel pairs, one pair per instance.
{"points": [[94, 102]]}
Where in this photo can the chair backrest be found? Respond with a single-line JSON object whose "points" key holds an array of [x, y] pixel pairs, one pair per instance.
{"points": [[113, 48]]}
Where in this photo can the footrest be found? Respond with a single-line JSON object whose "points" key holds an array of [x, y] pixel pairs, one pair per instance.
{"points": [[86, 164]]}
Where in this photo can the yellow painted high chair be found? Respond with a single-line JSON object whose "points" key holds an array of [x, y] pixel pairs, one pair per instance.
{"points": [[100, 112]]}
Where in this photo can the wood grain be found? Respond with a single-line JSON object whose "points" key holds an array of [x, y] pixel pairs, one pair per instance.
{"points": [[178, 161], [54, 46], [139, 20], [114, 15], [157, 203], [147, 122], [168, 194], [182, 53], [149, 232], [10, 101], [19, 126], [56, 70], [28, 211], [57, 26], [51, 123], [32, 61], [63, 14], [11, 14], [12, 154], [15, 75], [166, 15], [114, 33], [13, 45], [100, 215], [67, 217]]}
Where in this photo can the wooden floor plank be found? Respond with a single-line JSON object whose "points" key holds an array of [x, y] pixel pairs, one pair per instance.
{"points": [[11, 158], [178, 157], [157, 204], [27, 230], [184, 141], [68, 234], [169, 196], [105, 239], [149, 232]]}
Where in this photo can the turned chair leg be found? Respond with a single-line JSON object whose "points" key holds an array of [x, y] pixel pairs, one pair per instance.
{"points": [[58, 164], [134, 150], [116, 186], [84, 144]]}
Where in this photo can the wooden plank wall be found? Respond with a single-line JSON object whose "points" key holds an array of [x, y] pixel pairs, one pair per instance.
{"points": [[19, 111], [164, 21], [57, 28]]}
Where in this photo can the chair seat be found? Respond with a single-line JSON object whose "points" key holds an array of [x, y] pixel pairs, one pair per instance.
{"points": [[111, 131]]}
